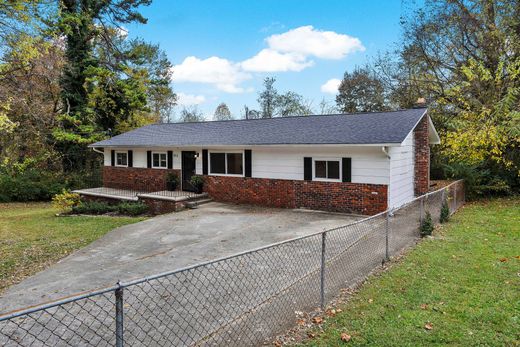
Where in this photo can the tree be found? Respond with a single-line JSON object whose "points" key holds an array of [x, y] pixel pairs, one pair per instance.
{"points": [[291, 104], [84, 24], [268, 97], [191, 114], [30, 95], [327, 107], [274, 104], [361, 91], [222, 112], [465, 57], [251, 114]]}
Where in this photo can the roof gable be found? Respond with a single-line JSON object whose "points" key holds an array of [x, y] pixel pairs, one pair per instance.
{"points": [[350, 129]]}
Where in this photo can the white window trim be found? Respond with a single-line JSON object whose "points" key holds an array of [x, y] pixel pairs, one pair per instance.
{"points": [[225, 164], [314, 178], [160, 167], [115, 159]]}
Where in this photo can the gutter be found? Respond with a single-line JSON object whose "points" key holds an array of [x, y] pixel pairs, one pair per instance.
{"points": [[97, 150]]}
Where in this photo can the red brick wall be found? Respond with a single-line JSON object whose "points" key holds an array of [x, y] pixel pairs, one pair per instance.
{"points": [[158, 206], [136, 178], [422, 158], [357, 198]]}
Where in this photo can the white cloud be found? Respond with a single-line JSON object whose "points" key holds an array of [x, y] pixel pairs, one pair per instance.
{"points": [[222, 73], [268, 60], [189, 99], [331, 86], [288, 51], [306, 41]]}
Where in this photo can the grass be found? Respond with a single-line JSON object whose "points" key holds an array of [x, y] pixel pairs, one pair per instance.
{"points": [[464, 285], [32, 237]]}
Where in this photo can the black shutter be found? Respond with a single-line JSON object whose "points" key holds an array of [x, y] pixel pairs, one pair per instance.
{"points": [[204, 161], [346, 167], [130, 158], [247, 159], [149, 159], [170, 159], [307, 169], [113, 158]]}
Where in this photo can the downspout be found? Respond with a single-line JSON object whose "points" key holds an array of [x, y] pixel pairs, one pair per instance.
{"points": [[390, 212], [385, 151], [97, 150]]}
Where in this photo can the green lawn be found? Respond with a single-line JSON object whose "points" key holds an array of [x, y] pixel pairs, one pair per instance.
{"points": [[32, 237], [465, 284]]}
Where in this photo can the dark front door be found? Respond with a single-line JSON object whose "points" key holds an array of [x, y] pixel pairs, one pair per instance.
{"points": [[188, 170]]}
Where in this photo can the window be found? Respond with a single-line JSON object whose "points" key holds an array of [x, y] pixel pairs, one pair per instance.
{"points": [[327, 169], [121, 158], [234, 163], [226, 163], [159, 160], [218, 163]]}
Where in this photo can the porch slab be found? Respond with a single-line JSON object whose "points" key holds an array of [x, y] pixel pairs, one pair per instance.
{"points": [[176, 195], [109, 193]]}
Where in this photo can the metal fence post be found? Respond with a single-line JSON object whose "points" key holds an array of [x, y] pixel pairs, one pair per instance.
{"points": [[387, 227], [119, 316], [322, 275], [455, 197]]}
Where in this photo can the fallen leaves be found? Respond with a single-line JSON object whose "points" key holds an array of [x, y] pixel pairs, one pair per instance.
{"points": [[317, 320], [424, 306], [345, 337], [428, 326]]}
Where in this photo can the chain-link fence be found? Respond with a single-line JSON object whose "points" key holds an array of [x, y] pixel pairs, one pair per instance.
{"points": [[239, 300]]}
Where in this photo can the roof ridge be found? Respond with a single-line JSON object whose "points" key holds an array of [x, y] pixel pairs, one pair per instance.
{"points": [[302, 116]]}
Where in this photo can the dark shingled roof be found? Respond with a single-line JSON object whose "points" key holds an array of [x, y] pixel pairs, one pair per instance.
{"points": [[360, 128]]}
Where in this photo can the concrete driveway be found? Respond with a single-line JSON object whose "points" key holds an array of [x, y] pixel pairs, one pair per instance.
{"points": [[166, 243]]}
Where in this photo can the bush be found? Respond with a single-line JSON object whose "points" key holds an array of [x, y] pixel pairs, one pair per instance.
{"points": [[66, 200], [30, 185], [198, 183], [101, 207], [94, 207], [132, 208], [445, 212], [426, 228], [172, 181], [479, 181]]}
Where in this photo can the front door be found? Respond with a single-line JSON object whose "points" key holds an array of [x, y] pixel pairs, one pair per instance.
{"points": [[188, 170]]}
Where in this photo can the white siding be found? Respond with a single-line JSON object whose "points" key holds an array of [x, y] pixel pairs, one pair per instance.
{"points": [[402, 172], [369, 164], [139, 157]]}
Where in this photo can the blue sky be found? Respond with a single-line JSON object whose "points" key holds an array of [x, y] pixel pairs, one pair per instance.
{"points": [[222, 50]]}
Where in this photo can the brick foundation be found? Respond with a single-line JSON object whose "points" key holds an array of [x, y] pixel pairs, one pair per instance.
{"points": [[133, 178], [356, 198], [158, 206], [422, 158]]}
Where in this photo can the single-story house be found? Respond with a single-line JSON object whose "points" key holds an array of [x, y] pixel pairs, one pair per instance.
{"points": [[356, 163]]}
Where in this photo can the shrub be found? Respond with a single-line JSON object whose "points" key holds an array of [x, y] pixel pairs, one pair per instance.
{"points": [[172, 181], [445, 212], [101, 207], [30, 185], [94, 207], [197, 182], [132, 208], [66, 200], [480, 181], [426, 228]]}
